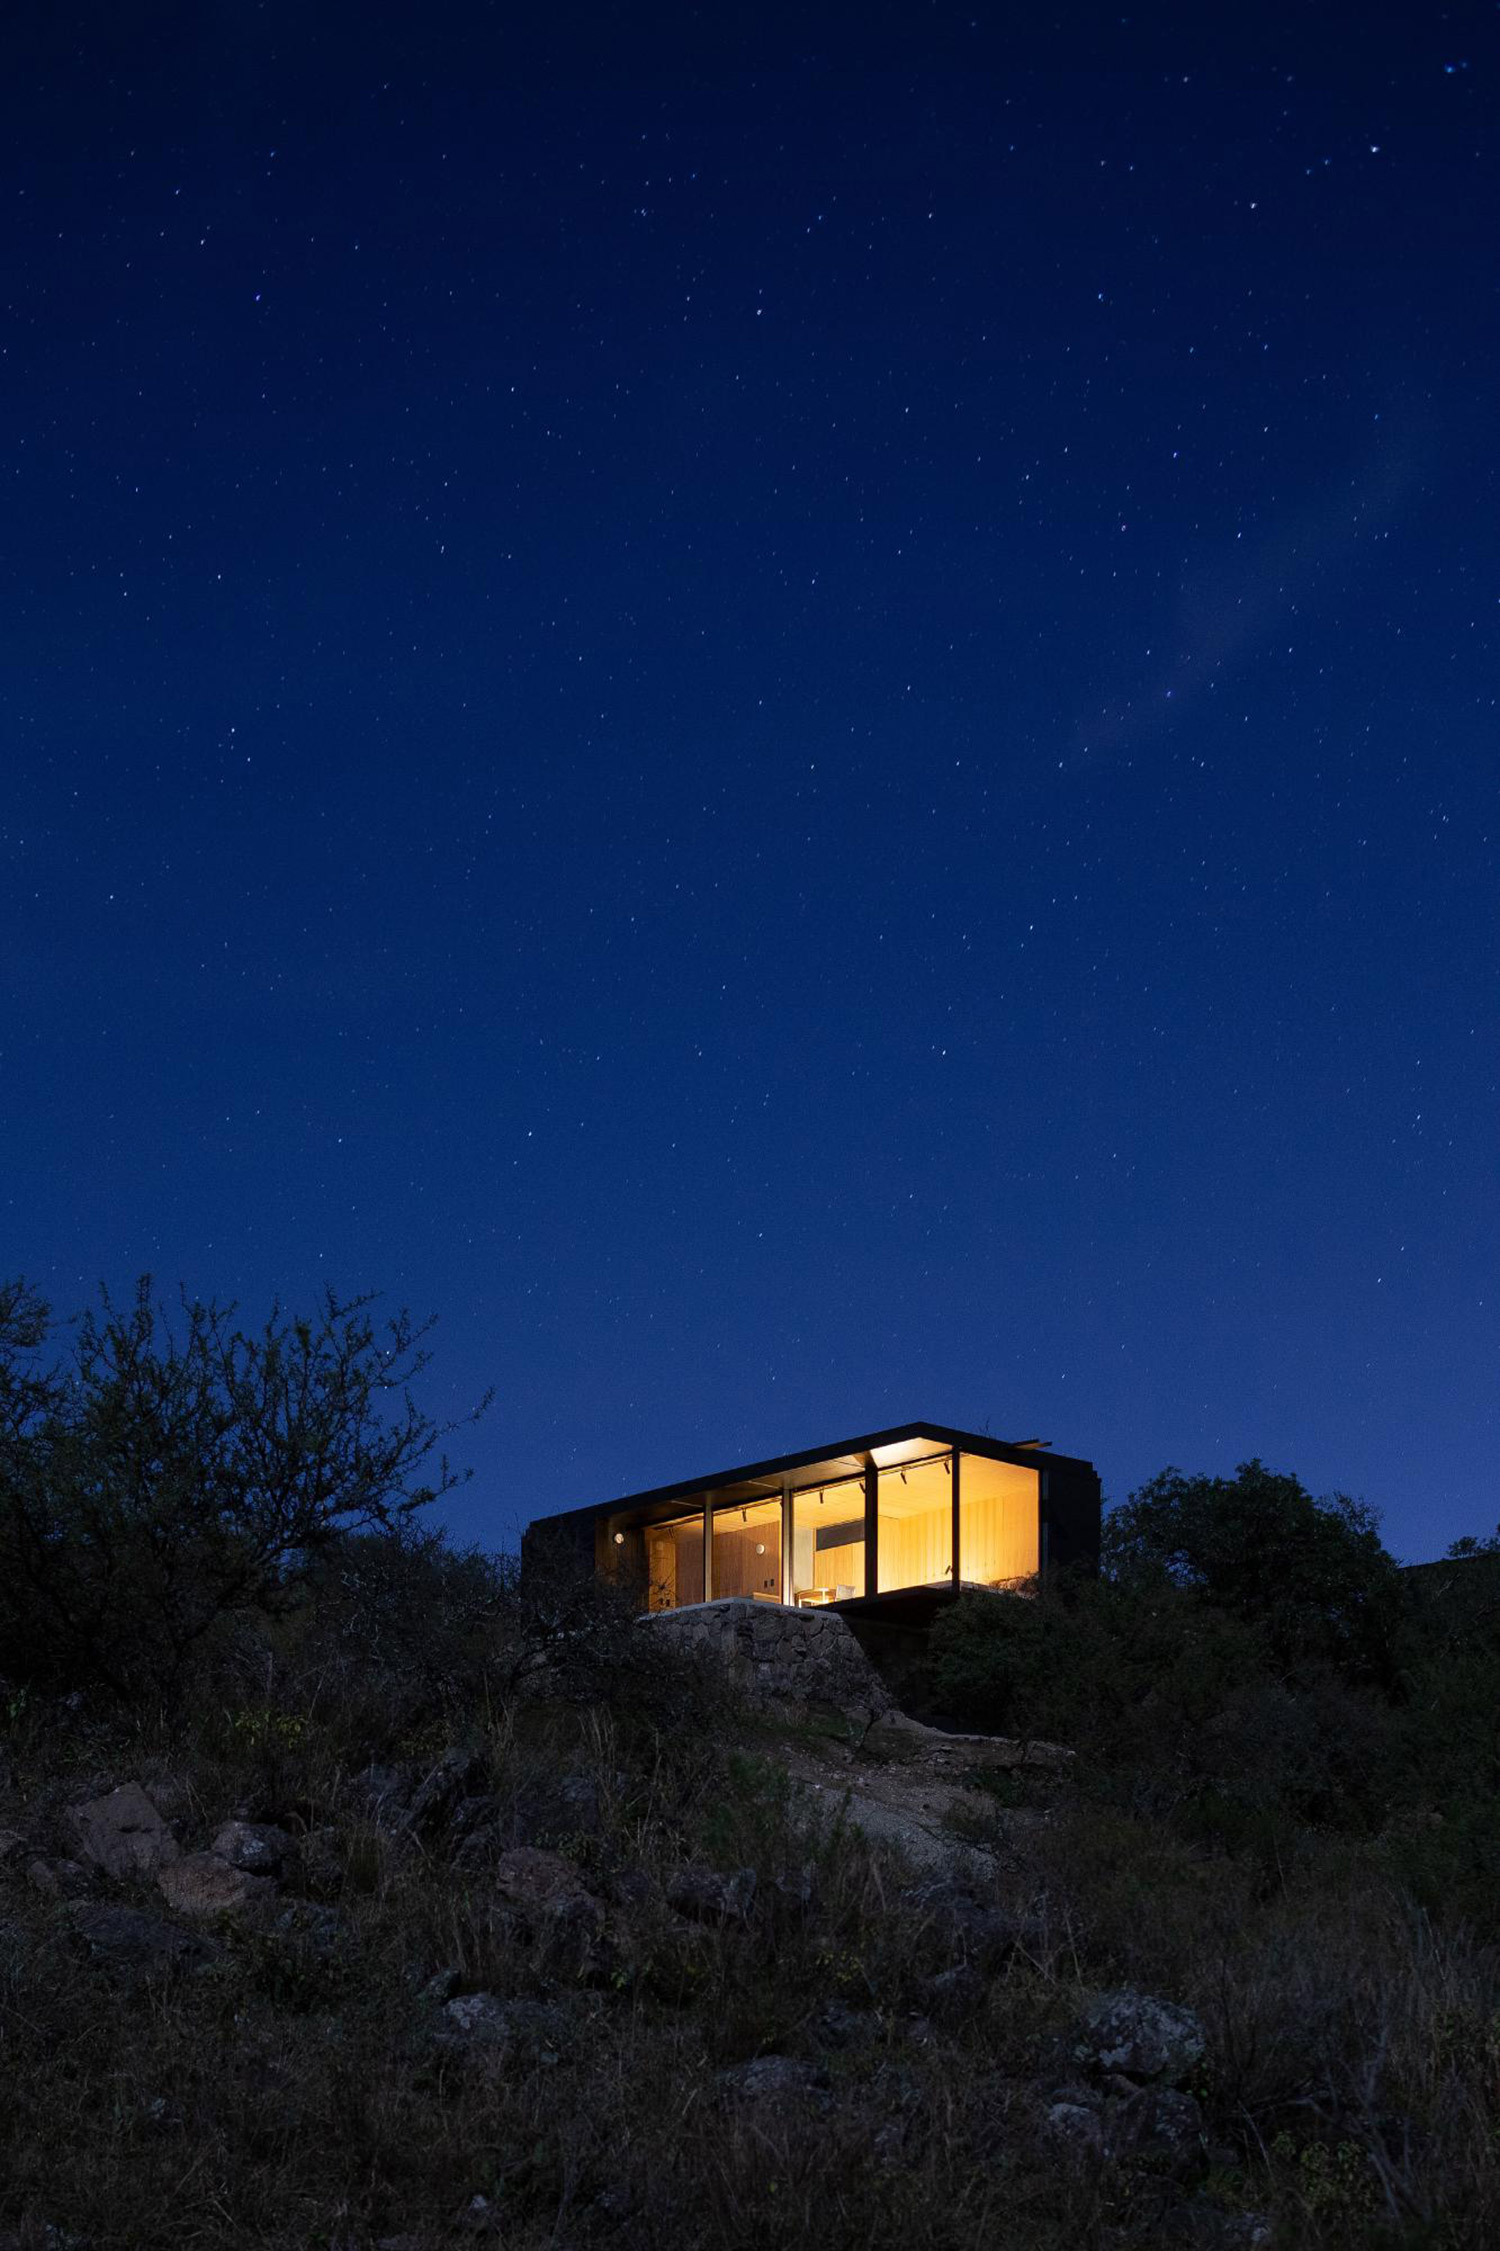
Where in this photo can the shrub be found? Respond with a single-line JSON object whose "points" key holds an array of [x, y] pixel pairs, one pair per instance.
{"points": [[1311, 1574], [154, 1483]]}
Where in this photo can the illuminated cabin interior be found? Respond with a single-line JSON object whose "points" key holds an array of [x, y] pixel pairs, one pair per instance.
{"points": [[919, 1511]]}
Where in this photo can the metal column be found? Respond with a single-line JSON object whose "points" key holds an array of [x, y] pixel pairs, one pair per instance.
{"points": [[955, 1457], [872, 1529]]}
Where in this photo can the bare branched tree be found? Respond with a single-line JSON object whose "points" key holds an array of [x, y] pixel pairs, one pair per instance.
{"points": [[158, 1476]]}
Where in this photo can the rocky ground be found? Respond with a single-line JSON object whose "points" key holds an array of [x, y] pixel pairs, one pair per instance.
{"points": [[801, 1975], [128, 1888]]}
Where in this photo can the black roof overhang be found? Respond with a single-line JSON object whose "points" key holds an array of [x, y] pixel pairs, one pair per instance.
{"points": [[848, 1458]]}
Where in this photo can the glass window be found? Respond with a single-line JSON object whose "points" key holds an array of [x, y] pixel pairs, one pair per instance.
{"points": [[747, 1551], [828, 1542], [916, 1524], [1000, 1521], [674, 1562]]}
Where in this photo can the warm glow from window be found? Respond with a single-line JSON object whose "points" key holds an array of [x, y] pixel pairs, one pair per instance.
{"points": [[747, 1551], [828, 1542], [674, 1562], [998, 1536], [916, 1524], [999, 1527]]}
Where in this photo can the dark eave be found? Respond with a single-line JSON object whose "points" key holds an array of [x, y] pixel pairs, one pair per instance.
{"points": [[848, 1458]]}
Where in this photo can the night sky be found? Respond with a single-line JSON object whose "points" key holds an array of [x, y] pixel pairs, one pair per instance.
{"points": [[795, 712]]}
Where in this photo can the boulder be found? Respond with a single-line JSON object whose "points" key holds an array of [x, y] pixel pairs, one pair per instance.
{"points": [[944, 1750], [795, 1661], [1139, 2036], [709, 1897], [123, 1834], [257, 1847], [125, 1939], [11, 1844], [543, 1810], [315, 1931], [203, 1884], [1159, 2123], [1076, 2131], [543, 1883], [551, 1901], [442, 1789]]}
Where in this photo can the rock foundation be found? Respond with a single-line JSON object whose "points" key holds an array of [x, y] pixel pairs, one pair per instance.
{"points": [[798, 1660]]}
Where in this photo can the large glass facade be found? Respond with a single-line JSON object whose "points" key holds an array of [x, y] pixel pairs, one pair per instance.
{"points": [[747, 1551], [820, 1555], [828, 1542], [674, 1562], [915, 1508], [999, 1521]]}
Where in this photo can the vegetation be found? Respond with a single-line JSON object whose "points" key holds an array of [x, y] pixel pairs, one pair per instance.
{"points": [[1325, 1700], [154, 1484], [514, 1803]]}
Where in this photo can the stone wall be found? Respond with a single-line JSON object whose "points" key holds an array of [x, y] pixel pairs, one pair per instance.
{"points": [[796, 1660]]}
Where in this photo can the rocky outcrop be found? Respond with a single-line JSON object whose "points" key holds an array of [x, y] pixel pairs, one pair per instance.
{"points": [[258, 1847], [203, 1884], [122, 1834], [797, 1661], [544, 1885], [1141, 2037], [1134, 2049], [545, 1896], [455, 1778]]}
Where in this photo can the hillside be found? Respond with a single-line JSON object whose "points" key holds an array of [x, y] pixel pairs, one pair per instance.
{"points": [[540, 1931]]}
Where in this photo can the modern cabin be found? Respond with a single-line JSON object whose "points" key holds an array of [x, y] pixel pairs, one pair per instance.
{"points": [[893, 1523]]}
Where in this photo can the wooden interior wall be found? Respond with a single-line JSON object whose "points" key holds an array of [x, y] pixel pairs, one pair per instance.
{"points": [[674, 1564], [916, 1550], [997, 1539], [840, 1567], [737, 1567]]}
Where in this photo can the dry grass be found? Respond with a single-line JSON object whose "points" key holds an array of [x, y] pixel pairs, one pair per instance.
{"points": [[295, 2093]]}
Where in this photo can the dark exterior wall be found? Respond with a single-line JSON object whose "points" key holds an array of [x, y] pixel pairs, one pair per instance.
{"points": [[562, 1543], [1072, 1514]]}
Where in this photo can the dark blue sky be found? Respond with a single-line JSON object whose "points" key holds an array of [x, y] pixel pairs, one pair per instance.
{"points": [[796, 713]]}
